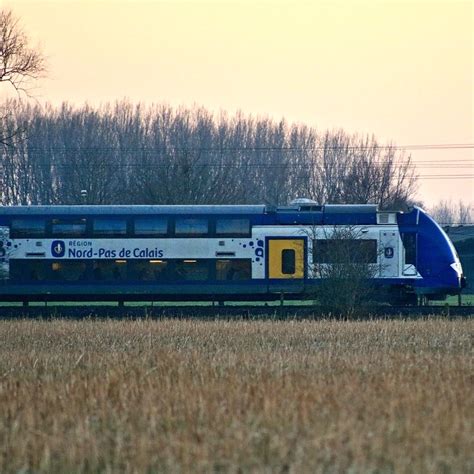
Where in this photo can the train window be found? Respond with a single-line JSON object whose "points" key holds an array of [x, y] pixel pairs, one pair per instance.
{"points": [[235, 269], [150, 226], [29, 270], [288, 261], [27, 227], [235, 227], [345, 251], [109, 227], [160, 269], [68, 227], [191, 226], [69, 270], [149, 270], [109, 270], [191, 270], [409, 243]]}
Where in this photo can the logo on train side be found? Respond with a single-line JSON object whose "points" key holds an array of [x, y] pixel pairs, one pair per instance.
{"points": [[58, 248]]}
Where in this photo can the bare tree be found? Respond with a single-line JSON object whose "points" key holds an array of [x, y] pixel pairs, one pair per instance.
{"points": [[125, 153], [353, 169], [465, 212], [345, 264], [20, 65], [448, 212]]}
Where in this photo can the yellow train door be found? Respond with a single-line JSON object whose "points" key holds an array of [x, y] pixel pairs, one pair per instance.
{"points": [[285, 258]]}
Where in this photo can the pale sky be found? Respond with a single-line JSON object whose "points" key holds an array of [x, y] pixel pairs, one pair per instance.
{"points": [[401, 70]]}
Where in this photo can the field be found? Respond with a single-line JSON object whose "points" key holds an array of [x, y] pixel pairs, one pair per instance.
{"points": [[236, 396]]}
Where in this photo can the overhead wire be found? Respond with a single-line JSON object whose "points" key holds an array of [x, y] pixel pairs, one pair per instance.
{"points": [[451, 164]]}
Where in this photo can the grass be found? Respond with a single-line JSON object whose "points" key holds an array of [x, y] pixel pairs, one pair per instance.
{"points": [[236, 396], [466, 300]]}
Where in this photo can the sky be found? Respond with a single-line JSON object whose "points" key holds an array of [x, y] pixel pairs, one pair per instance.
{"points": [[400, 70]]}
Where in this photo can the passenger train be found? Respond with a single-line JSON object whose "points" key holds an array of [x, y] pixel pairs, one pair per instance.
{"points": [[218, 253]]}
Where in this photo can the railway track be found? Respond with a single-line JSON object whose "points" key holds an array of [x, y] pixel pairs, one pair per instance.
{"points": [[225, 312]]}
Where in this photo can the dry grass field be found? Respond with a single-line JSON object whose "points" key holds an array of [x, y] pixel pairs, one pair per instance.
{"points": [[236, 396]]}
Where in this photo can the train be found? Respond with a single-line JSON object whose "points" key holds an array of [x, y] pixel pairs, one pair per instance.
{"points": [[216, 252]]}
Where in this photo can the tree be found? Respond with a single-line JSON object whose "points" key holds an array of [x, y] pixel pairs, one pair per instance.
{"points": [[133, 154], [346, 264], [19, 65], [352, 169], [447, 212]]}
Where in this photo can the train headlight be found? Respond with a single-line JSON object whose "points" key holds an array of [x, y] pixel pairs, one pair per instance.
{"points": [[456, 266]]}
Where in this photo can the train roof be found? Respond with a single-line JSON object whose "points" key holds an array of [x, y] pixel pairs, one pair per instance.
{"points": [[294, 214], [132, 209], [187, 209]]}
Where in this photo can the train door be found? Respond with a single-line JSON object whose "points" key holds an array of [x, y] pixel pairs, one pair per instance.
{"points": [[286, 258], [389, 253], [4, 261]]}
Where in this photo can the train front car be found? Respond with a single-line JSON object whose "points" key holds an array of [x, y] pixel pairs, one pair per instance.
{"points": [[431, 255]]}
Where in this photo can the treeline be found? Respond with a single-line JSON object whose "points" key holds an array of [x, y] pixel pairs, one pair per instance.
{"points": [[125, 153], [447, 212]]}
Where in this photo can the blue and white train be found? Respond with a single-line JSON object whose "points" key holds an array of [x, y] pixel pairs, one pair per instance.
{"points": [[218, 253]]}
